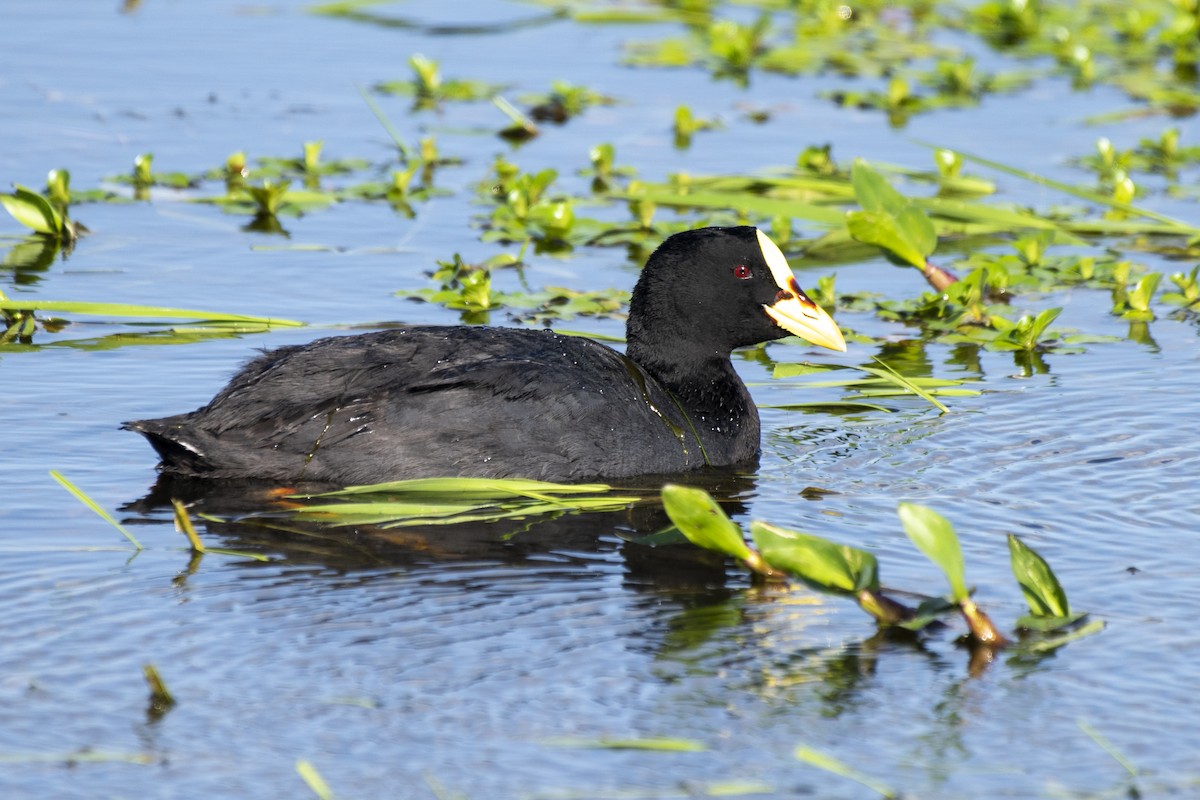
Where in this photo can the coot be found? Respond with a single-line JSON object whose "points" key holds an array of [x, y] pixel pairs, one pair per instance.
{"points": [[501, 402]]}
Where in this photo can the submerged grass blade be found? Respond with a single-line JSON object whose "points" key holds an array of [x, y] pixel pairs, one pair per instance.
{"points": [[832, 765], [308, 773], [82, 497], [482, 488], [1108, 747], [405, 152], [183, 523], [657, 743]]}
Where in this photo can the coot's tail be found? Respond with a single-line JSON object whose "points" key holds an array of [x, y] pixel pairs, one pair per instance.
{"points": [[168, 437]]}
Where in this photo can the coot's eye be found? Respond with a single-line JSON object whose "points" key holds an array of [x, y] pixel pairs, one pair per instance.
{"points": [[742, 272]]}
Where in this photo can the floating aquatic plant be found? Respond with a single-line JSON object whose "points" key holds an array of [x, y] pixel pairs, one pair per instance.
{"points": [[853, 573]]}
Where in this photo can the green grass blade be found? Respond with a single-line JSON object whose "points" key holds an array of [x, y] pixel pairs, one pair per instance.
{"points": [[892, 376], [744, 202], [832, 765], [129, 310], [655, 743], [1108, 747], [405, 153], [481, 488], [1084, 194], [82, 497], [308, 773]]}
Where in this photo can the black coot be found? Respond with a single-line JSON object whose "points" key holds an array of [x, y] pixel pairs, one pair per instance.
{"points": [[502, 402]]}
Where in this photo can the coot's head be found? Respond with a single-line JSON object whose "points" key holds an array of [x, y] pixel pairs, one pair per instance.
{"points": [[707, 291]]}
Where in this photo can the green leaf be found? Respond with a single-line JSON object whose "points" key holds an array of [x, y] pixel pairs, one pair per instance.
{"points": [[82, 497], [703, 522], [873, 191], [1043, 592], [934, 536], [817, 561], [889, 219], [33, 211], [883, 230]]}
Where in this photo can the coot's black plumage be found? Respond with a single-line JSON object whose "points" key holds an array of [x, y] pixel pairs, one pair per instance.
{"points": [[504, 402]]}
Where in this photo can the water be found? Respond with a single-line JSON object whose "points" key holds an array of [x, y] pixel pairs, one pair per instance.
{"points": [[459, 659]]}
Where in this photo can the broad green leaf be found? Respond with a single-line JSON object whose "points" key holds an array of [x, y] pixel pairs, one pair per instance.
{"points": [[703, 521], [934, 536], [887, 231], [873, 192], [818, 561], [1043, 592], [33, 211]]}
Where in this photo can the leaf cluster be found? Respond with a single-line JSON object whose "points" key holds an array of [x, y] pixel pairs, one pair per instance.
{"points": [[854, 573]]}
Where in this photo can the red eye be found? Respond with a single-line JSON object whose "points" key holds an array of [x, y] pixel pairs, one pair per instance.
{"points": [[742, 272]]}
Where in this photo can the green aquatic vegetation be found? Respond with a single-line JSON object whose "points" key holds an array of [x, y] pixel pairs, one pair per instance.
{"points": [[897, 99], [1133, 303], [725, 47], [833, 766], [429, 89], [268, 200], [183, 524], [520, 127], [143, 178], [161, 699], [468, 288], [934, 536], [1049, 608], [895, 223], [83, 497], [853, 573], [20, 318], [312, 778], [444, 501], [604, 170], [309, 166], [866, 385], [1188, 295], [563, 102], [45, 216], [687, 125]]}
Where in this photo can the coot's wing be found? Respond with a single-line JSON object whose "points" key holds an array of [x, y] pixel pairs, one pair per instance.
{"points": [[434, 401]]}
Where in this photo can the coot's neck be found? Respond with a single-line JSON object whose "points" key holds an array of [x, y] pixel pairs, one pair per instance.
{"points": [[708, 390]]}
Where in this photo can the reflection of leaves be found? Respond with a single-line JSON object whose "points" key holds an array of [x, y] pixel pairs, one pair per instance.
{"points": [[30, 256]]}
